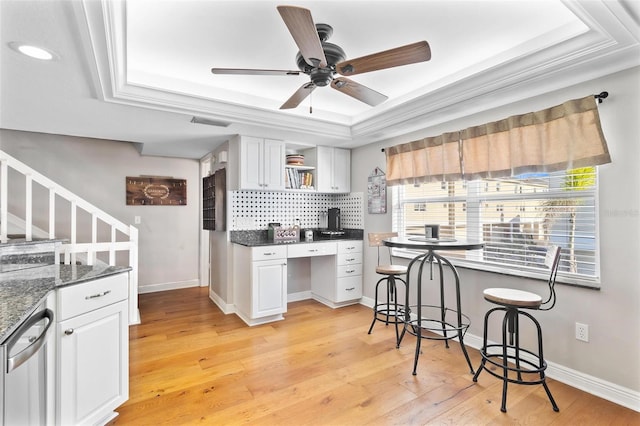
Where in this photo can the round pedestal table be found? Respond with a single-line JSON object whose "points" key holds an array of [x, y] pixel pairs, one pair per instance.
{"points": [[433, 321]]}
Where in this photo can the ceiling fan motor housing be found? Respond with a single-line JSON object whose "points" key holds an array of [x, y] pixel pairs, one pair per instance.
{"points": [[332, 52]]}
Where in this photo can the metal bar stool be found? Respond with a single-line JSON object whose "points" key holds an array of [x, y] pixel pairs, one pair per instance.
{"points": [[515, 363], [387, 310]]}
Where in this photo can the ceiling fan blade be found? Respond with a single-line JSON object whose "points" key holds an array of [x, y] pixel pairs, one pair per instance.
{"points": [[358, 91], [300, 94], [243, 71], [404, 55], [300, 24]]}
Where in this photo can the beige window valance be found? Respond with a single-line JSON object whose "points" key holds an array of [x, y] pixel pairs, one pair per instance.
{"points": [[562, 137]]}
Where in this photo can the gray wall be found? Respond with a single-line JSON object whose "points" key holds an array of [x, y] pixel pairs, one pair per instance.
{"points": [[96, 170], [613, 352]]}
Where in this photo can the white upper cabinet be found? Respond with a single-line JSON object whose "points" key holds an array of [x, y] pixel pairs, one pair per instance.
{"points": [[261, 163], [341, 171], [333, 168]]}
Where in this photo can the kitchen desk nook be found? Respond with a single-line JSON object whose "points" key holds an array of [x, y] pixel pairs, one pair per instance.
{"points": [[433, 321], [261, 278]]}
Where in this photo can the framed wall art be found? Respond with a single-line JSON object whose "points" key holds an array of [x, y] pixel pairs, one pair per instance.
{"points": [[377, 192], [156, 191]]}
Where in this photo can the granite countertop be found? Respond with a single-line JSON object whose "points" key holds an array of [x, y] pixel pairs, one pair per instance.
{"points": [[260, 238], [22, 291]]}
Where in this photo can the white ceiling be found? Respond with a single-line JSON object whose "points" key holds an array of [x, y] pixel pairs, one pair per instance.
{"points": [[138, 70]]}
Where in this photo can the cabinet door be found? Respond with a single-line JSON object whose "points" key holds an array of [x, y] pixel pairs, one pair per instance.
{"points": [[341, 170], [251, 163], [93, 365], [273, 164], [333, 169], [324, 169], [269, 288]]}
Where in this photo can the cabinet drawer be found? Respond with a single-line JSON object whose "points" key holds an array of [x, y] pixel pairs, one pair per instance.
{"points": [[312, 249], [269, 253], [349, 246], [349, 258], [349, 288], [88, 296], [349, 270]]}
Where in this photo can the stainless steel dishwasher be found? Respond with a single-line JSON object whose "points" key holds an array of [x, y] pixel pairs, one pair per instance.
{"points": [[24, 380]]}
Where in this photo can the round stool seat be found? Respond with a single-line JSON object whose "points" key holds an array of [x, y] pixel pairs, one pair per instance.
{"points": [[391, 269], [512, 359], [512, 297]]}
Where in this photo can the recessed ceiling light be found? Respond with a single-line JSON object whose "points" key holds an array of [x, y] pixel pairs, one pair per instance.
{"points": [[32, 51]]}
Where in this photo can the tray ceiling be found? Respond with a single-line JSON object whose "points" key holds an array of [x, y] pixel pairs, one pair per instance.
{"points": [[145, 64]]}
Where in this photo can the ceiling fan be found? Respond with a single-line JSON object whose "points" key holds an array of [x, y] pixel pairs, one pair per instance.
{"points": [[321, 60]]}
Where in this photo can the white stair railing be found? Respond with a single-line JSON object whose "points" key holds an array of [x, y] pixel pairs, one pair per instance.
{"points": [[71, 248]]}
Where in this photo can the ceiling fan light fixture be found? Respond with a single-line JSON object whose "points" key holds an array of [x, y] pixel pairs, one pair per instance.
{"points": [[209, 122]]}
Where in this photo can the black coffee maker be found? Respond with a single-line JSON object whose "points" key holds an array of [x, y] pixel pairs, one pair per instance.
{"points": [[334, 219]]}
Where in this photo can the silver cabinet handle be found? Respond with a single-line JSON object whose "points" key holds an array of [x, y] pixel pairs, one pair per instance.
{"points": [[94, 296], [350, 271], [269, 254], [69, 331], [349, 260], [18, 359], [350, 289], [313, 251]]}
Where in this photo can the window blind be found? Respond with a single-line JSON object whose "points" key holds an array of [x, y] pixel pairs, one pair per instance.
{"points": [[516, 217]]}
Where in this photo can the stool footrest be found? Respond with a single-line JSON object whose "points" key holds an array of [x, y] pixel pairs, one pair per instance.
{"points": [[444, 329], [530, 365], [388, 314]]}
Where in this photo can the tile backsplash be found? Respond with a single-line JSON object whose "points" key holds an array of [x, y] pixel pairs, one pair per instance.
{"points": [[256, 209]]}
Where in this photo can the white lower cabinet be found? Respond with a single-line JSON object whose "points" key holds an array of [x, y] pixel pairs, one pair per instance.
{"points": [[92, 351], [260, 277], [260, 274], [337, 280], [269, 292]]}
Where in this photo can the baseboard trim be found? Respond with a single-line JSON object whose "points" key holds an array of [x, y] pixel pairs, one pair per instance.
{"points": [[367, 301], [226, 308], [136, 320], [152, 288], [299, 296], [601, 388], [595, 386]]}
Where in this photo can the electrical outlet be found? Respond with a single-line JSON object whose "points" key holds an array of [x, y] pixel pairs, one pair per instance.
{"points": [[582, 332]]}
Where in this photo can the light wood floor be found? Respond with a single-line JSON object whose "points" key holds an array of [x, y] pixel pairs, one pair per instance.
{"points": [[191, 364]]}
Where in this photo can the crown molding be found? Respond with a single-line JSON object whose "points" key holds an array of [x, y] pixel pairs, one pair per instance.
{"points": [[610, 44]]}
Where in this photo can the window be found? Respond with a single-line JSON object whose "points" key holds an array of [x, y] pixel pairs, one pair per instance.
{"points": [[516, 217], [419, 207]]}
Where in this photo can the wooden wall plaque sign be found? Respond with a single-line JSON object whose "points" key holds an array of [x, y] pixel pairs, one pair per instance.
{"points": [[156, 191]]}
